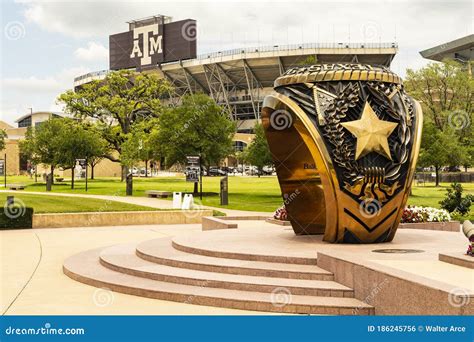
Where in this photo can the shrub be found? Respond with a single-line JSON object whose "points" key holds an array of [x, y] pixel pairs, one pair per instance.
{"points": [[13, 219], [455, 202]]}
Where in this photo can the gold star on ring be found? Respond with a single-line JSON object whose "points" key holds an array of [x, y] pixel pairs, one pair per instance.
{"points": [[371, 133]]}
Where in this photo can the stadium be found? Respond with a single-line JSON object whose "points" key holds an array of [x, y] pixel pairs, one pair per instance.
{"points": [[237, 79]]}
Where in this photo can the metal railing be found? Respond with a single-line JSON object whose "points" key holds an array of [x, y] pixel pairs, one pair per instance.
{"points": [[263, 49], [298, 46], [92, 74]]}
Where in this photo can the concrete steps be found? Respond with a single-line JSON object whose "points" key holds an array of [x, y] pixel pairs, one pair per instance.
{"points": [[187, 245], [86, 268], [155, 269], [162, 252], [122, 258]]}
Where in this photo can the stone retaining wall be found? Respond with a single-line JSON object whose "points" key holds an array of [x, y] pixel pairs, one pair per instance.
{"points": [[122, 218]]}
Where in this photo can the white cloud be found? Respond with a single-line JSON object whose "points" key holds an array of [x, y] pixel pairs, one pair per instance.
{"points": [[415, 25], [20, 93], [95, 52]]}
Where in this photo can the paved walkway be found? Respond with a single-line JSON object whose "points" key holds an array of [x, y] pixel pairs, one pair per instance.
{"points": [[143, 201], [33, 283]]}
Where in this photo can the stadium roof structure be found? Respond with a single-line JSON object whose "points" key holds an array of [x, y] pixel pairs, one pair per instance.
{"points": [[461, 49], [239, 79]]}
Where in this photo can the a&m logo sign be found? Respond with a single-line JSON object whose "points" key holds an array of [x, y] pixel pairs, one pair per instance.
{"points": [[151, 43]]}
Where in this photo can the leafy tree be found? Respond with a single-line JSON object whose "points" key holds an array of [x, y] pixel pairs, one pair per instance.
{"points": [[445, 91], [455, 202], [141, 144], [198, 127], [42, 144], [98, 149], [439, 149], [58, 142], [3, 137], [309, 60], [78, 141], [442, 88], [258, 152], [119, 101]]}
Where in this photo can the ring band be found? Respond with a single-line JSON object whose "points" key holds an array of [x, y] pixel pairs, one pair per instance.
{"points": [[344, 139]]}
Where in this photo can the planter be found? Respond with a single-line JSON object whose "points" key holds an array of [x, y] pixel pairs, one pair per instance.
{"points": [[451, 226]]}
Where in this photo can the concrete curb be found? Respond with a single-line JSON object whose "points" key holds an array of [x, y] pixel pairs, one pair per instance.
{"points": [[122, 218]]}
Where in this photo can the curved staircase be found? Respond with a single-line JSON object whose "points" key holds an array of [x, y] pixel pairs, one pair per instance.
{"points": [[172, 270]]}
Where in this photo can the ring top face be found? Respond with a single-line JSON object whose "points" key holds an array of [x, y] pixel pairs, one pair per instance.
{"points": [[337, 72], [369, 130]]}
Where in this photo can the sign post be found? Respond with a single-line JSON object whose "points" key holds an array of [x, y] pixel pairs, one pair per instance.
{"points": [[193, 169], [200, 177], [225, 190], [86, 174], [3, 169]]}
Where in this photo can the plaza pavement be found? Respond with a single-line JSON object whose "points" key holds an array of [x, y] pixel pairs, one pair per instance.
{"points": [[39, 254], [33, 282]]}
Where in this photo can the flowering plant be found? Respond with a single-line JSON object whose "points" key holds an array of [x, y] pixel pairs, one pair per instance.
{"points": [[281, 214], [415, 214]]}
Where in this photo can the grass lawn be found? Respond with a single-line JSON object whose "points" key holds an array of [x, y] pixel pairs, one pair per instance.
{"points": [[62, 204], [245, 193]]}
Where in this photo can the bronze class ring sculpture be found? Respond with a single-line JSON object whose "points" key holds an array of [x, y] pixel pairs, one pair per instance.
{"points": [[344, 139]]}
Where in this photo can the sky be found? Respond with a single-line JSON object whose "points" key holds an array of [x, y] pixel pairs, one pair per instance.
{"points": [[45, 44]]}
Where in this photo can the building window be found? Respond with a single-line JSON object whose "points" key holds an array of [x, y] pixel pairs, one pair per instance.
{"points": [[26, 122], [239, 145], [23, 162]]}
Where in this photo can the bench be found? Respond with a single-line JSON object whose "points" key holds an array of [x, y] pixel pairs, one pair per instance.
{"points": [[16, 187], [59, 179], [419, 181], [158, 194]]}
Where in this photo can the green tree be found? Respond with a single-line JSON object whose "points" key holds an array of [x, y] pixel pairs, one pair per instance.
{"points": [[445, 91], [442, 89], [78, 141], [119, 101], [258, 152], [3, 137], [42, 144], [439, 149], [139, 146], [99, 149], [454, 200], [198, 127]]}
